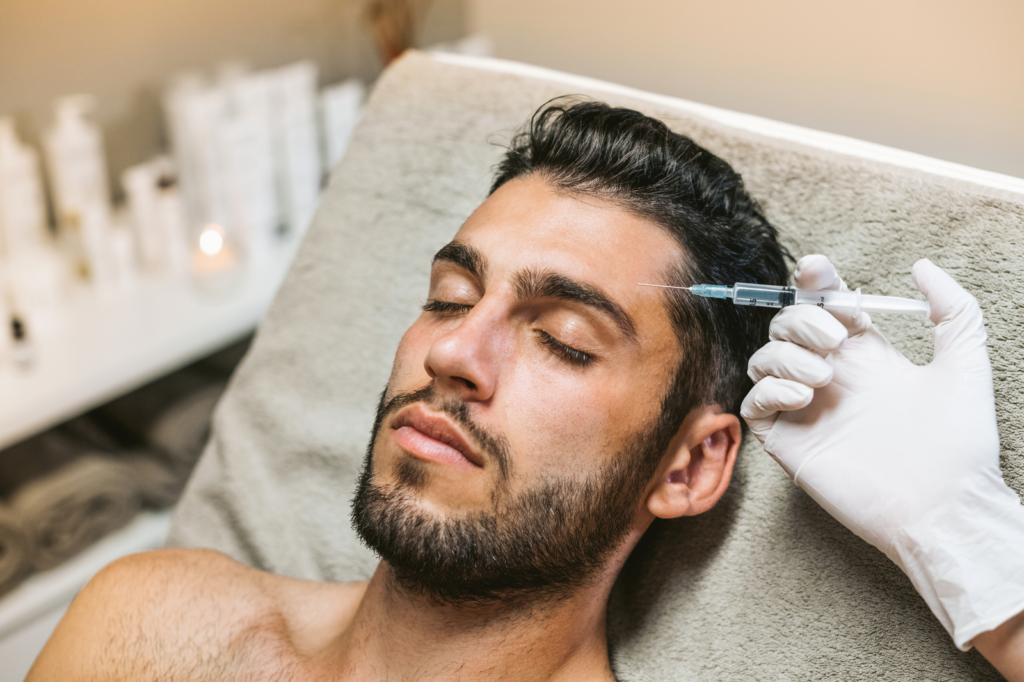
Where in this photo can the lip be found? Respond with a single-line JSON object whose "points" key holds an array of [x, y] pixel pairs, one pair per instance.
{"points": [[433, 436]]}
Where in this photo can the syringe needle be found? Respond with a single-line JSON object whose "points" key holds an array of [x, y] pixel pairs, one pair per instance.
{"points": [[664, 286]]}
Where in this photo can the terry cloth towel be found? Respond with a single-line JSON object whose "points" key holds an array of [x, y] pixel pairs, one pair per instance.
{"points": [[71, 485], [72, 508], [158, 474], [14, 550], [47, 452], [766, 586]]}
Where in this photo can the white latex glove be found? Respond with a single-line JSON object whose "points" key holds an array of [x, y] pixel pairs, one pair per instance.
{"points": [[907, 457]]}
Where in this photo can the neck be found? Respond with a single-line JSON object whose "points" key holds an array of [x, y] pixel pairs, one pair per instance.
{"points": [[399, 635]]}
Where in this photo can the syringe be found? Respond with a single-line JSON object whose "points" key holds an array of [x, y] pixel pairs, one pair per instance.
{"points": [[770, 296]]}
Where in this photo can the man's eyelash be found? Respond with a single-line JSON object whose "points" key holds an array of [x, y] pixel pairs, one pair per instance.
{"points": [[568, 353], [445, 307]]}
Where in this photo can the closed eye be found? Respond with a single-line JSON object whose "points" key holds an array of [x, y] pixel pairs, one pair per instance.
{"points": [[446, 308], [571, 355]]}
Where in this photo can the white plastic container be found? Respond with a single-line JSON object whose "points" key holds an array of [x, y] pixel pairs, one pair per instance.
{"points": [[36, 278], [157, 216], [340, 107], [78, 178], [22, 211], [293, 99], [247, 148], [251, 191], [194, 112]]}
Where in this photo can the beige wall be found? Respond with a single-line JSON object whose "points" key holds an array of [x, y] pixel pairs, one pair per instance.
{"points": [[125, 50], [939, 77]]}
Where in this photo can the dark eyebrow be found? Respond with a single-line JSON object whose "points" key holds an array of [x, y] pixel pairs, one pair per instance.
{"points": [[463, 255], [533, 284]]}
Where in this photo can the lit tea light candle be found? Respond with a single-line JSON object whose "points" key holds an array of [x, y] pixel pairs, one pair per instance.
{"points": [[211, 242], [214, 253]]}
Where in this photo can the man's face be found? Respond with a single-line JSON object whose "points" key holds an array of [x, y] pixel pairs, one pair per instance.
{"points": [[523, 396]]}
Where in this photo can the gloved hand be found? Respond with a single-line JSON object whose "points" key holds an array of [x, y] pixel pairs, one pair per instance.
{"points": [[905, 456]]}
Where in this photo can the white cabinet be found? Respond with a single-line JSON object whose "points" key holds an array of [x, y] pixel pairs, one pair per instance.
{"points": [[102, 348]]}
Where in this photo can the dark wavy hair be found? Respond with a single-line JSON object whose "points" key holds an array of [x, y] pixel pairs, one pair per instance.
{"points": [[590, 148]]}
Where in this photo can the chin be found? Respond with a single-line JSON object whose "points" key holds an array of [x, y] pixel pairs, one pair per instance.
{"points": [[411, 473]]}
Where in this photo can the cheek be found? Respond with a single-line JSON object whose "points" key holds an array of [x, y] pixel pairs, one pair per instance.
{"points": [[557, 421], [408, 370]]}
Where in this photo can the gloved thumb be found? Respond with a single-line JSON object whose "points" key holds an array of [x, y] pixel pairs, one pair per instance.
{"points": [[959, 328]]}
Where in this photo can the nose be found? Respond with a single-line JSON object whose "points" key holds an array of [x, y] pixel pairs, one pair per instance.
{"points": [[463, 361]]}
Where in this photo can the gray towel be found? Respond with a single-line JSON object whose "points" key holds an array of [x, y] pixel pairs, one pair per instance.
{"points": [[72, 508], [14, 550], [766, 586]]}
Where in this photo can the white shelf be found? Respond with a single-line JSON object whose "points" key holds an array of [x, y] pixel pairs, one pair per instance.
{"points": [[43, 592], [105, 346]]}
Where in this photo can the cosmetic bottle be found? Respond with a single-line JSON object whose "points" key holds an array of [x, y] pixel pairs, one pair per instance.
{"points": [[22, 350], [156, 215], [250, 182], [293, 107], [36, 276], [197, 112], [340, 106], [22, 212], [78, 178]]}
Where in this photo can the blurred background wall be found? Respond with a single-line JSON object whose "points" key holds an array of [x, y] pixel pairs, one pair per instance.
{"points": [[124, 52], [939, 77], [943, 78]]}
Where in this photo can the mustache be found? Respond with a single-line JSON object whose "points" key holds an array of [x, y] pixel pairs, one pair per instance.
{"points": [[494, 446]]}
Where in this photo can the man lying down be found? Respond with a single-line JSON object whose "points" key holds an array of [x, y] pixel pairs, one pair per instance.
{"points": [[541, 413]]}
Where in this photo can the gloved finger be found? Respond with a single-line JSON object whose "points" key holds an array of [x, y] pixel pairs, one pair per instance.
{"points": [[959, 326], [772, 395], [786, 360], [809, 326], [815, 272]]}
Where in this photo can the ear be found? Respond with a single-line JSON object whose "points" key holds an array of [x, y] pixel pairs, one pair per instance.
{"points": [[698, 465]]}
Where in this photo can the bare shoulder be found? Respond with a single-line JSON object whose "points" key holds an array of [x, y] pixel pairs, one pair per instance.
{"points": [[162, 615]]}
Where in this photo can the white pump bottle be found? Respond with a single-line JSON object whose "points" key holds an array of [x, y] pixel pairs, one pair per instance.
{"points": [[78, 175], [22, 212], [35, 277]]}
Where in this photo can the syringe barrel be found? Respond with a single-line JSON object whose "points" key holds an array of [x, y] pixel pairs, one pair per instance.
{"points": [[763, 295], [836, 301], [853, 302], [850, 302]]}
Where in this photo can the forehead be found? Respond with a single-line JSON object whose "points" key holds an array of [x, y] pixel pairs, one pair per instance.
{"points": [[528, 224]]}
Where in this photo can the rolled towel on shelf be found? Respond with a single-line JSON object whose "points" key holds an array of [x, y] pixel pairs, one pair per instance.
{"points": [[158, 486], [66, 511], [181, 431], [70, 486], [15, 549], [40, 456]]}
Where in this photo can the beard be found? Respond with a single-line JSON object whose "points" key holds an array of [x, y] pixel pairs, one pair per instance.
{"points": [[540, 544]]}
